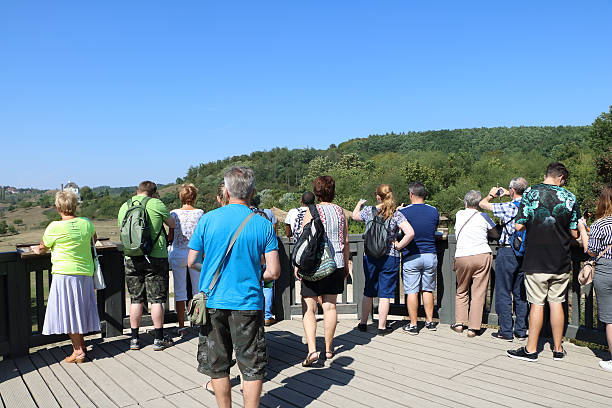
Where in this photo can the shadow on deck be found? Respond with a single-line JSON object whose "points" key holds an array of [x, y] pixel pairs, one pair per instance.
{"points": [[432, 369]]}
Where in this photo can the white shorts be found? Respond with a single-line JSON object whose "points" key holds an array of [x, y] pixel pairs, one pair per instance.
{"points": [[178, 264]]}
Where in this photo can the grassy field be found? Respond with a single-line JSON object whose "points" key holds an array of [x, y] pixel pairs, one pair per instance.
{"points": [[30, 231]]}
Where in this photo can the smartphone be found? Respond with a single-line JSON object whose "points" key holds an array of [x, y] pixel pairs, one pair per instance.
{"points": [[500, 192]]}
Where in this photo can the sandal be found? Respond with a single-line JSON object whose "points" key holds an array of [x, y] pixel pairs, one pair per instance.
{"points": [[457, 328], [472, 333], [208, 389], [310, 361], [329, 355], [75, 358]]}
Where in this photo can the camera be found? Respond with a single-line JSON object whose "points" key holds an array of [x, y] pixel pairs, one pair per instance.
{"points": [[500, 192]]}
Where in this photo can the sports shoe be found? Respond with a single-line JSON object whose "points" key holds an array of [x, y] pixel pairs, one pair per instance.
{"points": [[500, 336], [410, 329], [520, 338], [522, 354], [135, 344], [606, 365], [160, 344], [385, 331], [559, 355], [269, 322], [431, 326]]}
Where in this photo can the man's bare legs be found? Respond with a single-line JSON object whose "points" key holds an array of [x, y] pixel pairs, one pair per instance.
{"points": [[428, 303], [223, 390], [383, 312], [557, 321], [413, 308], [251, 392], [366, 309], [536, 319]]}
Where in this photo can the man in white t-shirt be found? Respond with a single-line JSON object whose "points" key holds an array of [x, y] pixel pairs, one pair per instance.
{"points": [[295, 216]]}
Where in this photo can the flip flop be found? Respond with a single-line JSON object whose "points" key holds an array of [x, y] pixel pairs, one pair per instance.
{"points": [[310, 361], [208, 389]]}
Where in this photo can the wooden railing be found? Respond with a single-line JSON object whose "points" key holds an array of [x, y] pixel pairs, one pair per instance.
{"points": [[25, 279]]}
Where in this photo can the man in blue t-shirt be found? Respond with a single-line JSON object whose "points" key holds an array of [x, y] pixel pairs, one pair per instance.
{"points": [[235, 304], [420, 257]]}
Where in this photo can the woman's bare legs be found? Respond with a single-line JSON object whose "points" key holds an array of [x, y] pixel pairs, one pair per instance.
{"points": [[330, 319], [309, 320]]}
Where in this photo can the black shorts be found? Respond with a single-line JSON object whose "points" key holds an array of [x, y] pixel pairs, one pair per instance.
{"points": [[147, 281], [246, 328], [330, 285]]}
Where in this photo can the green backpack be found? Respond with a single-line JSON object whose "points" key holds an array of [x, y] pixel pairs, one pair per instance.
{"points": [[135, 230]]}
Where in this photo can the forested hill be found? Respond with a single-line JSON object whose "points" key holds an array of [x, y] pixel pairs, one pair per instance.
{"points": [[449, 162]]}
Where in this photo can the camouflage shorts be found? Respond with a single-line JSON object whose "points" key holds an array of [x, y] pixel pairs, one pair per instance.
{"points": [[147, 281], [215, 347]]}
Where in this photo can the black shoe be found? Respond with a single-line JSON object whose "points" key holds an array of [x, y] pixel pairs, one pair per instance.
{"points": [[500, 336], [431, 326], [385, 331], [520, 338], [362, 327], [410, 329], [522, 354], [559, 355]]}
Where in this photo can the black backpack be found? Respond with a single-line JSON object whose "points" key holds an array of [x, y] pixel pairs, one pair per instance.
{"points": [[307, 250], [375, 236]]}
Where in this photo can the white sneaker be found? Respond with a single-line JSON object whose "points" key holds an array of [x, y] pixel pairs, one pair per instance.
{"points": [[606, 365]]}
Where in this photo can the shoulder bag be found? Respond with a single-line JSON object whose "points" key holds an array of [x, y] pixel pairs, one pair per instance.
{"points": [[588, 269], [196, 309], [454, 267], [98, 278]]}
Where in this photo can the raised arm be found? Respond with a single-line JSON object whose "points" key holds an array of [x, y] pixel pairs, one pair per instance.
{"points": [[355, 215]]}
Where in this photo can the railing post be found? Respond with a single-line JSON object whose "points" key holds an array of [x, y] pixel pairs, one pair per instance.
{"points": [[282, 286], [114, 302], [19, 316], [358, 277], [447, 287]]}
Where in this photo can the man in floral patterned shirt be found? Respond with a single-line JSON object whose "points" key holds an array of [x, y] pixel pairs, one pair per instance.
{"points": [[550, 214]]}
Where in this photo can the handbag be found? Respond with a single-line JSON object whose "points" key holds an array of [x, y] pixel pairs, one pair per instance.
{"points": [[326, 267], [98, 277], [196, 308], [454, 266], [585, 276]]}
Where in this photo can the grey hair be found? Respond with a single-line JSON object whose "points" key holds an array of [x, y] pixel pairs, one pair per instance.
{"points": [[472, 198], [417, 189], [519, 185], [239, 182]]}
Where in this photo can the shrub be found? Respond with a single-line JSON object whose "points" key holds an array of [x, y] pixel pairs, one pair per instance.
{"points": [[18, 221]]}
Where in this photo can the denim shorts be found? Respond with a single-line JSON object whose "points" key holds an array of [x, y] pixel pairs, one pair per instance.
{"points": [[381, 275], [233, 330], [419, 273]]}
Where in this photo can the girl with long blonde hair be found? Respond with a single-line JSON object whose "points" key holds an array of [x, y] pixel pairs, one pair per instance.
{"points": [[381, 273]]}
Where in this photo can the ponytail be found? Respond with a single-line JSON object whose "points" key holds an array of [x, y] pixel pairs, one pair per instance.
{"points": [[385, 193]]}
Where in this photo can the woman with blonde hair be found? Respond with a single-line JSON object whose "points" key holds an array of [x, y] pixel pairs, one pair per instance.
{"points": [[600, 240], [186, 218], [71, 307], [381, 274]]}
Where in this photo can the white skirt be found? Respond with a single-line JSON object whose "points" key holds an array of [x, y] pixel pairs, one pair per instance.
{"points": [[71, 307]]}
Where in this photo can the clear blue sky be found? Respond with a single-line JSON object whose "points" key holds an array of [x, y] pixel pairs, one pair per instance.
{"points": [[114, 92]]}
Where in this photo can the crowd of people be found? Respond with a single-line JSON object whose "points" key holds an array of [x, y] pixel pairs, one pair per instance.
{"points": [[232, 256]]}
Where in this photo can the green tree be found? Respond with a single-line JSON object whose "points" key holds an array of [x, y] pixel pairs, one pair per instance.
{"points": [[600, 135], [87, 193]]}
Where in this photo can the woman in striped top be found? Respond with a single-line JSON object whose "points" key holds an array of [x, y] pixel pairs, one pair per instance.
{"points": [[600, 240], [326, 290]]}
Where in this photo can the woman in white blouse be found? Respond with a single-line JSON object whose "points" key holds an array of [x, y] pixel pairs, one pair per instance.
{"points": [[186, 218]]}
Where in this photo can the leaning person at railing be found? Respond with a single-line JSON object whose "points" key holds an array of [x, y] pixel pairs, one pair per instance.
{"points": [[599, 240], [473, 264], [186, 218], [326, 290], [549, 214], [71, 307], [381, 272]]}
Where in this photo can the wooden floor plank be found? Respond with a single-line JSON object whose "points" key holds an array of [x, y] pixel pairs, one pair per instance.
{"points": [[62, 395], [134, 385], [182, 400], [157, 403], [64, 378], [154, 378], [13, 389], [35, 383], [87, 384]]}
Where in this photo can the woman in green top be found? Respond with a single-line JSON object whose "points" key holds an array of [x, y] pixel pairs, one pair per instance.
{"points": [[71, 307]]}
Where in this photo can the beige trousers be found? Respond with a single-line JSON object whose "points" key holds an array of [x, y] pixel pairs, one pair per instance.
{"points": [[472, 273]]}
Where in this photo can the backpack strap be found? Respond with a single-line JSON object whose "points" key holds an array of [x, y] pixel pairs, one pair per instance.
{"points": [[314, 212], [227, 251]]}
